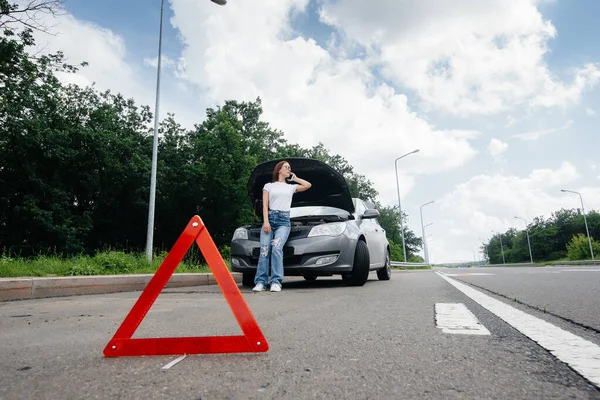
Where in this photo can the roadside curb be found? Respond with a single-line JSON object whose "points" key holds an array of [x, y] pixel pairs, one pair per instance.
{"points": [[37, 288]]}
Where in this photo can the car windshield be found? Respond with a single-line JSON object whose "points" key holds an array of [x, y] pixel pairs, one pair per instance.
{"points": [[298, 212]]}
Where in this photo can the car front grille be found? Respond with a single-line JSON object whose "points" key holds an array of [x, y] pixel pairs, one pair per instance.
{"points": [[287, 252], [297, 232]]}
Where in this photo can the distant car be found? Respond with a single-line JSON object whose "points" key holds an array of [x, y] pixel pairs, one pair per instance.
{"points": [[332, 233]]}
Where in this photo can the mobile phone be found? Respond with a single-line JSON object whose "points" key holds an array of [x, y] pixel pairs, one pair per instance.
{"points": [[289, 178]]}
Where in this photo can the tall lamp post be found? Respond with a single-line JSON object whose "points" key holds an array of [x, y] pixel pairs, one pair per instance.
{"points": [[584, 219], [151, 202], [399, 204], [501, 247], [528, 242], [423, 233]]}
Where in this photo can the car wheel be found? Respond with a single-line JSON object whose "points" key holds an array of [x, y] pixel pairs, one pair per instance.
{"points": [[360, 268], [310, 278], [248, 279], [385, 273]]}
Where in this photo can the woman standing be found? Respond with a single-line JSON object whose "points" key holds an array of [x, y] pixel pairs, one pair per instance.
{"points": [[277, 201]]}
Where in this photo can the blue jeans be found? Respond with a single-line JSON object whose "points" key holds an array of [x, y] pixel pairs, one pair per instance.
{"points": [[271, 244]]}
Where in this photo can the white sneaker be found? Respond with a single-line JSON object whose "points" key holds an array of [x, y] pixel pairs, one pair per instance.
{"points": [[275, 287], [259, 287]]}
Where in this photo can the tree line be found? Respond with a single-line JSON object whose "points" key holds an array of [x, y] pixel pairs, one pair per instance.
{"points": [[75, 162], [561, 236]]}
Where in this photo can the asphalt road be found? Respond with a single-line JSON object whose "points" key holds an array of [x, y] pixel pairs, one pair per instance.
{"points": [[327, 341], [572, 293]]}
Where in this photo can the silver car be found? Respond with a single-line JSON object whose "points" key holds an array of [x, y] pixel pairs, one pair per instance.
{"points": [[331, 233]]}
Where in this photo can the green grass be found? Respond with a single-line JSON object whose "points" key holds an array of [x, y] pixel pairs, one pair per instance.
{"points": [[545, 263], [104, 263]]}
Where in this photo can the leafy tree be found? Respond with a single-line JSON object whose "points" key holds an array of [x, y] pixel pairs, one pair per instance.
{"points": [[34, 206], [390, 221], [221, 145], [74, 161]]}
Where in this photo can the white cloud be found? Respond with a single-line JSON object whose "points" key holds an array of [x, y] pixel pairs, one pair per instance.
{"points": [[535, 135], [165, 62], [462, 57], [497, 148], [101, 48], [590, 112], [545, 178]]}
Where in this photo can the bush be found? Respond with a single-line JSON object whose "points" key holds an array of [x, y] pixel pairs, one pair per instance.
{"points": [[579, 247], [83, 269], [115, 262], [225, 251], [396, 253], [416, 259]]}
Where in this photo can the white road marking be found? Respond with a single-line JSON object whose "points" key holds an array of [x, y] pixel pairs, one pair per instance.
{"points": [[580, 354], [456, 318], [169, 365], [471, 274], [580, 270]]}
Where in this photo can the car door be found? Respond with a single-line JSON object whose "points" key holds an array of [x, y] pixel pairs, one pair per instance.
{"points": [[379, 237], [371, 232]]}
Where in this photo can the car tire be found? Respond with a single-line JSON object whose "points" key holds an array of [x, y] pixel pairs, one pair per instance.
{"points": [[248, 279], [360, 267], [385, 273]]}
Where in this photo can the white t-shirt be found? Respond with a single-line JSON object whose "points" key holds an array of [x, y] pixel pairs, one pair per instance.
{"points": [[280, 195]]}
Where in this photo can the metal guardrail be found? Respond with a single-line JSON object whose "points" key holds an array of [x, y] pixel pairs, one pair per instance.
{"points": [[579, 262], [509, 265], [407, 264]]}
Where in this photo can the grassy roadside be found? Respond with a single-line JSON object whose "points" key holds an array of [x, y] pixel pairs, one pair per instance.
{"points": [[104, 263], [408, 268], [546, 263]]}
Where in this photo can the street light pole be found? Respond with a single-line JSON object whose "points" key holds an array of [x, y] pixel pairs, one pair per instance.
{"points": [[423, 233], [584, 220], [426, 236], [150, 232], [399, 204], [151, 202], [528, 242], [501, 247]]}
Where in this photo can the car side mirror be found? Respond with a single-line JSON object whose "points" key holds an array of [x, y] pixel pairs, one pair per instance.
{"points": [[370, 214]]}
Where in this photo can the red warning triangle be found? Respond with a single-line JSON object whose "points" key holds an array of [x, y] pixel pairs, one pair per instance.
{"points": [[252, 340]]}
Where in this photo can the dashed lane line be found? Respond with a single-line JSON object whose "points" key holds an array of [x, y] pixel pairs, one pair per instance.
{"points": [[455, 318]]}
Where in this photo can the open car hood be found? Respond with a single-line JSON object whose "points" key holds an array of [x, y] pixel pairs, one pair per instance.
{"points": [[329, 188]]}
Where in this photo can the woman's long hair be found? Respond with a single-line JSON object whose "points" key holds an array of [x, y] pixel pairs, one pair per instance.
{"points": [[276, 170]]}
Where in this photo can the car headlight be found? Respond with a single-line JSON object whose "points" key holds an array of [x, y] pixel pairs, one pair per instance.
{"points": [[332, 229], [240, 233]]}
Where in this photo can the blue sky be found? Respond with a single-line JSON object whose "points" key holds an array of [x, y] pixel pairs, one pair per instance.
{"points": [[376, 79]]}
